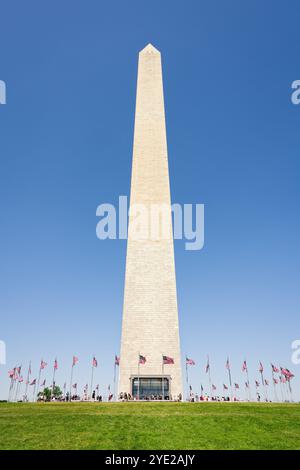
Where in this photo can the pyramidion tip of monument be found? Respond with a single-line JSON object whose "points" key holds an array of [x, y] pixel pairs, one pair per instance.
{"points": [[149, 49]]}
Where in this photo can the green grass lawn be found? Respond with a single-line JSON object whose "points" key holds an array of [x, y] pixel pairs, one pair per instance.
{"points": [[149, 426]]}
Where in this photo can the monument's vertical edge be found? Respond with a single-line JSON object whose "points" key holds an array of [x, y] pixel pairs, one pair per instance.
{"points": [[150, 314]]}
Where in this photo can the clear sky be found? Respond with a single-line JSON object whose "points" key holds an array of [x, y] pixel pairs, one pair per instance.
{"points": [[66, 137]]}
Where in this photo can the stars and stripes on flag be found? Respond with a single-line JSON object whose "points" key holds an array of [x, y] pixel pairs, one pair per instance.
{"points": [[95, 362], [168, 360], [287, 373], [74, 385], [257, 384], [117, 360], [43, 364], [191, 388], [75, 360], [225, 387], [274, 368], [227, 365], [261, 367], [20, 379], [44, 383], [33, 382], [236, 386], [214, 387], [11, 373], [55, 364], [142, 359], [247, 384], [97, 387], [207, 366], [190, 362], [266, 382], [282, 380], [244, 366], [275, 380], [202, 388]]}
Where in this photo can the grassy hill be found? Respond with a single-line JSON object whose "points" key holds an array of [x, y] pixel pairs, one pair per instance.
{"points": [[149, 426]]}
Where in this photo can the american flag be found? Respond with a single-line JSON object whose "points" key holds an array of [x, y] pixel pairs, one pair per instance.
{"points": [[20, 379], [266, 382], [190, 362], [261, 367], [95, 363], [274, 368], [11, 373], [142, 359], [247, 384], [43, 384], [75, 360], [227, 365], [257, 383], [43, 364], [236, 386], [97, 387], [33, 382], [244, 366], [168, 360], [225, 387], [207, 366], [275, 380], [287, 373], [117, 360], [74, 385], [202, 388], [55, 364], [19, 370], [214, 387]]}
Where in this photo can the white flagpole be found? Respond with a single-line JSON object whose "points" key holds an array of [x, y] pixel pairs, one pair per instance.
{"points": [[209, 377], [249, 389], [27, 381], [115, 379], [163, 384], [274, 386], [187, 379], [53, 378], [71, 380], [38, 387], [264, 386], [138, 394], [92, 377]]}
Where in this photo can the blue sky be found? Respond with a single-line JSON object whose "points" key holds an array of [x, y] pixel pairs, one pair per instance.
{"points": [[66, 137]]}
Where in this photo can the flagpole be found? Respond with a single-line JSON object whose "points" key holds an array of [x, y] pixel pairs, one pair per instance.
{"points": [[53, 379], [263, 382], [187, 379], [34, 388], [163, 384], [138, 394], [27, 381], [229, 375], [115, 379], [17, 389], [290, 388], [38, 387], [71, 382], [209, 378], [281, 389], [274, 386], [92, 377], [247, 374], [10, 389]]}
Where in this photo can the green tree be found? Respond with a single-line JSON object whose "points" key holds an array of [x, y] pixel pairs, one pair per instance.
{"points": [[47, 393]]}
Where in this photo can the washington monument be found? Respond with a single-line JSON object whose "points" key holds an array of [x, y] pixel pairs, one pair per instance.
{"points": [[150, 315]]}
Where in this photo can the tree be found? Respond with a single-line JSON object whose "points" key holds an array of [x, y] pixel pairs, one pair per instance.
{"points": [[47, 393]]}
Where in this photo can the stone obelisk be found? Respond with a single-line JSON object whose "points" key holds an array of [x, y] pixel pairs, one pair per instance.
{"points": [[150, 314]]}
